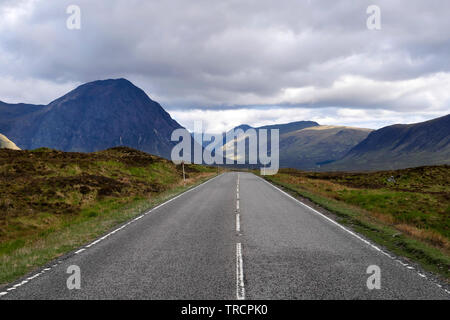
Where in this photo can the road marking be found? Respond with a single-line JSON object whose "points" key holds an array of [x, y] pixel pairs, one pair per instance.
{"points": [[325, 217], [144, 214], [240, 289], [350, 232], [111, 233], [237, 194], [238, 223]]}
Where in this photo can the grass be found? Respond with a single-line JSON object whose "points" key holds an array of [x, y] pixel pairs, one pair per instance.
{"points": [[53, 202], [406, 211]]}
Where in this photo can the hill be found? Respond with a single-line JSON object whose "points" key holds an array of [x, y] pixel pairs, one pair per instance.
{"points": [[5, 143], [400, 146], [307, 145], [309, 148], [283, 129], [53, 201], [95, 116]]}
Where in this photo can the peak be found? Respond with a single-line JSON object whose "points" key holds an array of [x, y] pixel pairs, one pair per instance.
{"points": [[329, 127], [243, 126], [99, 88], [108, 82]]}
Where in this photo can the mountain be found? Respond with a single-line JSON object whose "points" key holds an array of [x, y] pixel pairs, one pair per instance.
{"points": [[400, 146], [310, 148], [307, 145], [95, 116], [5, 143], [283, 129], [290, 127], [20, 121]]}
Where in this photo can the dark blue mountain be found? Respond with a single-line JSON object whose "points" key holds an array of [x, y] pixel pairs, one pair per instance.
{"points": [[400, 146], [95, 116]]}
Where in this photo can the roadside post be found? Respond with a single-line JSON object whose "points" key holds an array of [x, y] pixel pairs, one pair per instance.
{"points": [[184, 175]]}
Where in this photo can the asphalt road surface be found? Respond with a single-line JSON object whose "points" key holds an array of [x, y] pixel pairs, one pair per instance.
{"points": [[233, 237]]}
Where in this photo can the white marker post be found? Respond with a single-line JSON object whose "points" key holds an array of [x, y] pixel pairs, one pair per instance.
{"points": [[184, 175]]}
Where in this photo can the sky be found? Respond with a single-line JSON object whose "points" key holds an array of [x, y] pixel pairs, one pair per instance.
{"points": [[231, 62]]}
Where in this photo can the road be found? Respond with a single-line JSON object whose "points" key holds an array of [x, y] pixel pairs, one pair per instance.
{"points": [[233, 237]]}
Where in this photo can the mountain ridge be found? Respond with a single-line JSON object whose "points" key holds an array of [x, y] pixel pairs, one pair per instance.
{"points": [[94, 116], [400, 146]]}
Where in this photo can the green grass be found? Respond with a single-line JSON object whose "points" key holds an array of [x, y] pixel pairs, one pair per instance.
{"points": [[53, 202], [19, 257], [396, 220]]}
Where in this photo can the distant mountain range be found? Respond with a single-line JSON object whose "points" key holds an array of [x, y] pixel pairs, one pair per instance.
{"points": [[108, 113], [306, 145], [311, 148], [95, 116], [5, 143], [400, 146], [284, 129]]}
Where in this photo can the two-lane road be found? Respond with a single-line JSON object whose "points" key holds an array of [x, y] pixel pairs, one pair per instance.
{"points": [[235, 236]]}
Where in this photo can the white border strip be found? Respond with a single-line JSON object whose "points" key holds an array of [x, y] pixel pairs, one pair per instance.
{"points": [[350, 232], [240, 289], [325, 217], [82, 249]]}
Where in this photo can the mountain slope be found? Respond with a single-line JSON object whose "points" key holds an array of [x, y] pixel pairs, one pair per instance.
{"points": [[20, 121], [290, 127], [306, 145], [94, 116], [5, 143], [400, 146], [309, 148], [283, 129]]}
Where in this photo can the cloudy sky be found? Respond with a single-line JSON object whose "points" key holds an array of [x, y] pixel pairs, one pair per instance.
{"points": [[229, 62]]}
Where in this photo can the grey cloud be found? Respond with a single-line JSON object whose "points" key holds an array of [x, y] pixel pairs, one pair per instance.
{"points": [[224, 54]]}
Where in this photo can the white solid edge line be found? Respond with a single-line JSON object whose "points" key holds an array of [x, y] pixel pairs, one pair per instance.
{"points": [[240, 289], [345, 229], [145, 213], [112, 232], [324, 216]]}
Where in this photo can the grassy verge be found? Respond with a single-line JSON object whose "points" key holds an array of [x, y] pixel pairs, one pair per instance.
{"points": [[54, 202], [381, 213]]}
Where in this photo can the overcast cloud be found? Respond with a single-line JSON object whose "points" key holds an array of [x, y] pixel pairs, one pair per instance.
{"points": [[238, 61]]}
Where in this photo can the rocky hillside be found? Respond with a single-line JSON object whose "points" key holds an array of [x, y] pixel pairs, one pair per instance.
{"points": [[95, 116]]}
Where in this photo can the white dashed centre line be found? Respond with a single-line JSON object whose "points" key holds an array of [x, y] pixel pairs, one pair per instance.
{"points": [[240, 289], [238, 223], [350, 232], [3, 293]]}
